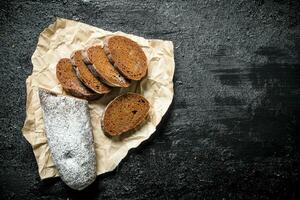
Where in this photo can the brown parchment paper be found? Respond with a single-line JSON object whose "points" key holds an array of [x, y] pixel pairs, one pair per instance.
{"points": [[59, 40]]}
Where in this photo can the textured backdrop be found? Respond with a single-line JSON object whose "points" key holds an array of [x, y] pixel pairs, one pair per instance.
{"points": [[233, 129]]}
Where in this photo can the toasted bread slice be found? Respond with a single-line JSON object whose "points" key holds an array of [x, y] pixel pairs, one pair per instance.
{"points": [[86, 76], [100, 66], [127, 56], [69, 81], [124, 113]]}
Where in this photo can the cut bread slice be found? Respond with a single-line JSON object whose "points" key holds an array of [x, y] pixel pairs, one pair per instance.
{"points": [[86, 76], [100, 66], [127, 56], [69, 81], [124, 113]]}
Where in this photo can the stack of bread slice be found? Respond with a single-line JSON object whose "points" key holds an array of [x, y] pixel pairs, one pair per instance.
{"points": [[93, 71]]}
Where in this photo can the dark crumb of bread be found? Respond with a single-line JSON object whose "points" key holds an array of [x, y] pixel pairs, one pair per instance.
{"points": [[86, 76], [127, 56], [101, 66], [66, 75], [124, 113]]}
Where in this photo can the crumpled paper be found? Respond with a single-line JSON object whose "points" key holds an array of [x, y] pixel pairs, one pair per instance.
{"points": [[58, 41]]}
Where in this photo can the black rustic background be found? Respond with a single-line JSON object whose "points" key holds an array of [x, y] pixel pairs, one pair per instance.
{"points": [[232, 131]]}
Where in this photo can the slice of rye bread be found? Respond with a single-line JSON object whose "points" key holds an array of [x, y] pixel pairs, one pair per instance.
{"points": [[124, 113], [127, 56], [70, 83], [100, 66], [86, 76]]}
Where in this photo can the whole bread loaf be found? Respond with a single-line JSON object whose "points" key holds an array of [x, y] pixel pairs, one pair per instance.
{"points": [[70, 82], [69, 136], [124, 113], [127, 56]]}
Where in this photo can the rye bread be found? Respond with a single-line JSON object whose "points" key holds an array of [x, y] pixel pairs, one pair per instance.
{"points": [[86, 76], [70, 139], [124, 113], [127, 56], [69, 81], [100, 66]]}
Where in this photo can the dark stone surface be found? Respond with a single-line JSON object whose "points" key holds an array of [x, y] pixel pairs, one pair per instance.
{"points": [[233, 129]]}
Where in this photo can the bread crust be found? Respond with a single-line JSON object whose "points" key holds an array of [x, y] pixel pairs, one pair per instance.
{"points": [[69, 136]]}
